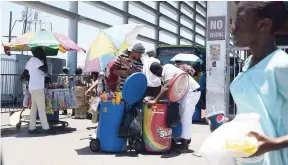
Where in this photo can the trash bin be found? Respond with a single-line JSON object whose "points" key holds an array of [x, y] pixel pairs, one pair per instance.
{"points": [[109, 122], [156, 135]]}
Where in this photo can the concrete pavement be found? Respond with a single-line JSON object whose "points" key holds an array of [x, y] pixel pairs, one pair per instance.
{"points": [[71, 147]]}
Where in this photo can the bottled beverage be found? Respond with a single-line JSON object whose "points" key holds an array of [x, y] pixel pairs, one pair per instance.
{"points": [[118, 97]]}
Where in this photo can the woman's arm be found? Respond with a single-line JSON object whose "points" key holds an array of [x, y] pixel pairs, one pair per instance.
{"points": [[267, 144], [93, 86]]}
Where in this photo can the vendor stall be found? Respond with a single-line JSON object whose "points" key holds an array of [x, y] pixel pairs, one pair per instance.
{"points": [[55, 100]]}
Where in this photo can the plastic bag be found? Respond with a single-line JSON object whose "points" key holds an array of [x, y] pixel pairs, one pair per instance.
{"points": [[27, 101], [231, 141]]}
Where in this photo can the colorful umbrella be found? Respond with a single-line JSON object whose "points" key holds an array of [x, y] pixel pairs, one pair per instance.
{"points": [[52, 42], [110, 43]]}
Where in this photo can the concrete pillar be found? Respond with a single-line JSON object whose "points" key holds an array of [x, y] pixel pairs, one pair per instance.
{"points": [[126, 9], [157, 22], [73, 31]]}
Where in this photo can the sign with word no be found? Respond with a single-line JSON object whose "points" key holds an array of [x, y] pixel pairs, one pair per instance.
{"points": [[216, 28]]}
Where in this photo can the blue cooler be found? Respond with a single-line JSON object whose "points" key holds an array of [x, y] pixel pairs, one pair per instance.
{"points": [[109, 123], [111, 116]]}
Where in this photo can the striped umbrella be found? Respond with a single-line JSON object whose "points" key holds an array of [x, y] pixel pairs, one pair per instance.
{"points": [[110, 43], [51, 41]]}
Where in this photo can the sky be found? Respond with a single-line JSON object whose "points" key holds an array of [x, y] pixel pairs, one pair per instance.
{"points": [[87, 34]]}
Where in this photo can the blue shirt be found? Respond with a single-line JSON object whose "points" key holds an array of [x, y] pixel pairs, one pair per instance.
{"points": [[263, 89]]}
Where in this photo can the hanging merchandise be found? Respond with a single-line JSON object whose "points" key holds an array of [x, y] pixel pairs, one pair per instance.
{"points": [[55, 101], [48, 102], [27, 101]]}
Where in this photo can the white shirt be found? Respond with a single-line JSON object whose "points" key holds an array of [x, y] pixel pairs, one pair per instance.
{"points": [[170, 71], [152, 80], [37, 77]]}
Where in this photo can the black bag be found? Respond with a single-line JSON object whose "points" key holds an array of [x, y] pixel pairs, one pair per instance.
{"points": [[173, 116], [130, 123]]}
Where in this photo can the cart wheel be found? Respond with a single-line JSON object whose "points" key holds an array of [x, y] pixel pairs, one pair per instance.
{"points": [[18, 125], [139, 146], [95, 145], [65, 124], [89, 116]]}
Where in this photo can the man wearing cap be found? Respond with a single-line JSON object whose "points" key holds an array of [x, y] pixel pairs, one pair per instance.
{"points": [[153, 82], [129, 62]]}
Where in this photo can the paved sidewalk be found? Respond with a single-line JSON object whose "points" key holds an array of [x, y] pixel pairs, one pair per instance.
{"points": [[71, 147]]}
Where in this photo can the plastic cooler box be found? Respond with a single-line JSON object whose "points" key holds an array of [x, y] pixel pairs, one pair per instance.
{"points": [[109, 123]]}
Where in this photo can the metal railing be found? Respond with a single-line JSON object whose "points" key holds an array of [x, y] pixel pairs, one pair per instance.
{"points": [[237, 61], [12, 91]]}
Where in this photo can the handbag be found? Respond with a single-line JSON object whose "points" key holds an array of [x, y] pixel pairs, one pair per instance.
{"points": [[173, 116]]}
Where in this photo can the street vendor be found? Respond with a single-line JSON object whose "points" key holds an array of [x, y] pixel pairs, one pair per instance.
{"points": [[37, 67], [153, 82], [63, 78], [187, 103], [128, 63], [79, 81]]}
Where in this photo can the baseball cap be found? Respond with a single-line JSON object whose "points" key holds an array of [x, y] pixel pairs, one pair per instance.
{"points": [[138, 48]]}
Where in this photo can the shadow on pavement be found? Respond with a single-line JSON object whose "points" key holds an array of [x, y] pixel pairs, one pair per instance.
{"points": [[87, 151], [202, 122], [23, 133]]}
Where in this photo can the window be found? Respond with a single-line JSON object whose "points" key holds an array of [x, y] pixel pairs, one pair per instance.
{"points": [[200, 20], [60, 4], [149, 3], [185, 42], [186, 22], [98, 14], [141, 13], [117, 4], [200, 30], [168, 12], [169, 39], [190, 3], [185, 33], [200, 10], [167, 25], [187, 11], [203, 3], [200, 40], [173, 3], [147, 45], [147, 30]]}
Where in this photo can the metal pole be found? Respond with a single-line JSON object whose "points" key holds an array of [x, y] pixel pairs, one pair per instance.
{"points": [[40, 23], [51, 26], [25, 21], [35, 26], [157, 22], [73, 29], [178, 22], [10, 26]]}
